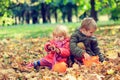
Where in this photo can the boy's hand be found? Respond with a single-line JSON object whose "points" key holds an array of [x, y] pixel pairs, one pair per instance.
{"points": [[101, 57], [86, 56]]}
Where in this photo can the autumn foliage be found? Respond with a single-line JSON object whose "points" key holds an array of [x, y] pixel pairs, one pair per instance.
{"points": [[16, 53]]}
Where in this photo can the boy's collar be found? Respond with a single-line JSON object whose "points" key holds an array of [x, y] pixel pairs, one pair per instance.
{"points": [[82, 33]]}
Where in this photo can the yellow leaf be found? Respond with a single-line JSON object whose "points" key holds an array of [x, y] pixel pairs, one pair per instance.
{"points": [[75, 66], [111, 71], [112, 54], [113, 32], [70, 77]]}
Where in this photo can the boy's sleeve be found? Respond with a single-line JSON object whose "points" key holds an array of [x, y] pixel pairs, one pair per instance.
{"points": [[96, 49], [75, 50]]}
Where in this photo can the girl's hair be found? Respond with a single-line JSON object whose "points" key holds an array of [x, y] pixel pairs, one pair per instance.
{"points": [[60, 30], [88, 23]]}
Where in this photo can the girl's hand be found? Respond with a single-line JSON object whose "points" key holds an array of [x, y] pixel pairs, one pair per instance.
{"points": [[57, 50], [86, 56], [51, 48]]}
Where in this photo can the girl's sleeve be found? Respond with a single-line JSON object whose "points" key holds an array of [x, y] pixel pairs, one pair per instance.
{"points": [[65, 51], [46, 46]]}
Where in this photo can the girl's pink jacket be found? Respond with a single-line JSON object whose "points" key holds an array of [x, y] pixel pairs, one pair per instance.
{"points": [[63, 46]]}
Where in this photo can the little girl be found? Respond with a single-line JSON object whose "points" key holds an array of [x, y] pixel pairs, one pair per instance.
{"points": [[57, 49]]}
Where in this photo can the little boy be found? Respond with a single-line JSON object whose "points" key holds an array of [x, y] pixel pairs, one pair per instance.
{"points": [[83, 44]]}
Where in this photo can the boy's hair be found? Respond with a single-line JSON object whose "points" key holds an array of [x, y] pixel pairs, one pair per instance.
{"points": [[88, 23], [60, 30]]}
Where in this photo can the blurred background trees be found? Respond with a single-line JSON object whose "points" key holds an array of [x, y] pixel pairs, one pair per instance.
{"points": [[14, 12]]}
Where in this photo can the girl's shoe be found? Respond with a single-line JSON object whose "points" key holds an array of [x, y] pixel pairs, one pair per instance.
{"points": [[30, 65], [36, 65]]}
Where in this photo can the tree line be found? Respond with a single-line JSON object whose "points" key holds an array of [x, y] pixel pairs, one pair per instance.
{"points": [[24, 11]]}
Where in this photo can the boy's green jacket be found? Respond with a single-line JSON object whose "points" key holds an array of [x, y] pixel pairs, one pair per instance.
{"points": [[90, 43]]}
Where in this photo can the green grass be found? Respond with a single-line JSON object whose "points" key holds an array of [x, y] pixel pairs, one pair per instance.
{"points": [[108, 23], [40, 30], [28, 31], [24, 31]]}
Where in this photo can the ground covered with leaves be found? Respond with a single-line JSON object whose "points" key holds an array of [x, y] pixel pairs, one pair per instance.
{"points": [[14, 53]]}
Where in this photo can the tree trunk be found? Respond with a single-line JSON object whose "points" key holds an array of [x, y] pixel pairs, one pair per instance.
{"points": [[63, 16], [69, 12], [34, 16], [75, 7], [43, 12], [22, 21], [93, 11], [55, 13], [15, 20], [48, 13], [27, 17], [64, 12]]}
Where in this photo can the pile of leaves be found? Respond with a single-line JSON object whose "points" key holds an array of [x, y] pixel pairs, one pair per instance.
{"points": [[15, 53]]}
